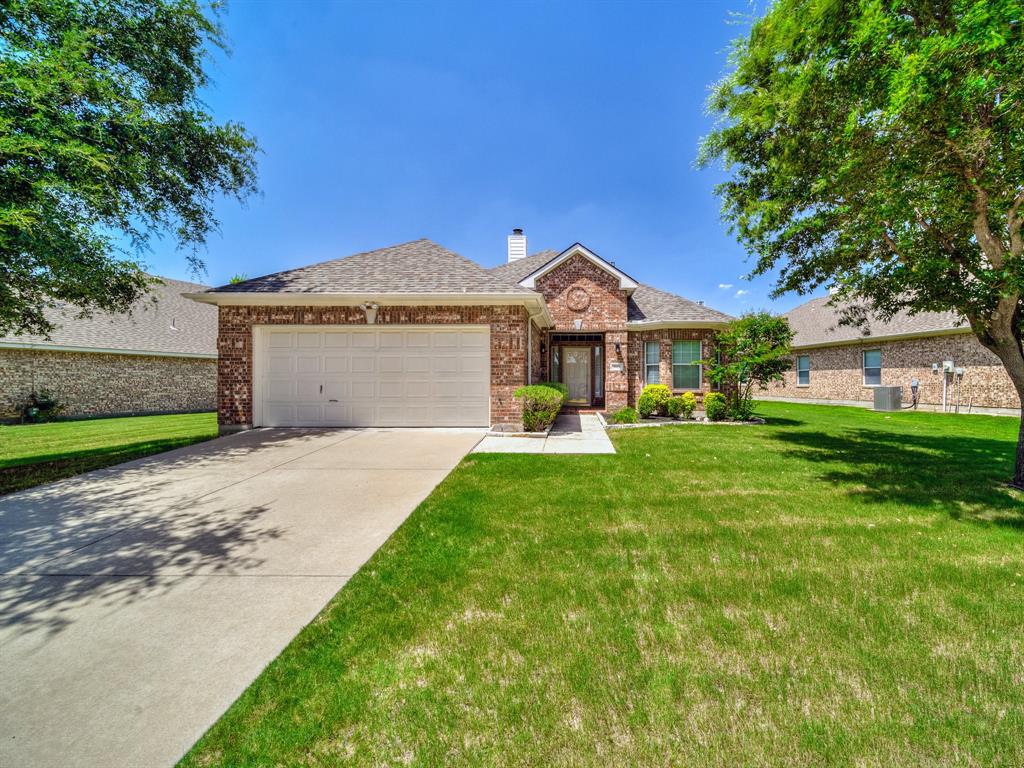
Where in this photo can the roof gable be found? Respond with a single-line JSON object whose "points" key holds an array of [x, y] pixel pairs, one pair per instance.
{"points": [[626, 283]]}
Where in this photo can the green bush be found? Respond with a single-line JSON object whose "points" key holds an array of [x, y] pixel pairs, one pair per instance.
{"points": [[556, 385], [715, 407], [541, 404], [681, 406], [653, 400], [625, 415]]}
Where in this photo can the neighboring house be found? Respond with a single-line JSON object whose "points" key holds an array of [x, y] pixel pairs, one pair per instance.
{"points": [[842, 364], [159, 358], [416, 335]]}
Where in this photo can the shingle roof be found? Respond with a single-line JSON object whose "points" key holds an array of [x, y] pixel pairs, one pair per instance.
{"points": [[517, 270], [816, 322], [650, 305], [147, 328], [418, 267]]}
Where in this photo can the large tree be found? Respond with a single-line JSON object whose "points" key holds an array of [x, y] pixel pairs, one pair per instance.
{"points": [[877, 147], [104, 141]]}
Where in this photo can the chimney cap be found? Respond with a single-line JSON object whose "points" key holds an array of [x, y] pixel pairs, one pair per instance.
{"points": [[517, 230]]}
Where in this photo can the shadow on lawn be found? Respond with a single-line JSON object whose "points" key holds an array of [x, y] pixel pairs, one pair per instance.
{"points": [[962, 475]]}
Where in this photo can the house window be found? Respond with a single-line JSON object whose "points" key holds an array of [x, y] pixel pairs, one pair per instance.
{"points": [[556, 363], [652, 356], [803, 370], [686, 373], [872, 367]]}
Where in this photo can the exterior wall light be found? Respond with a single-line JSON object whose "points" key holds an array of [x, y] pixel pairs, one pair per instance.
{"points": [[370, 309]]}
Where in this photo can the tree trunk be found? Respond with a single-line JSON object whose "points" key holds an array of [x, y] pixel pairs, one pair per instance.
{"points": [[1008, 349]]}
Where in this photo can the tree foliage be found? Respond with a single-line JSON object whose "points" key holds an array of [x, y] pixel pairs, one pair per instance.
{"points": [[104, 140], [752, 351], [877, 147]]}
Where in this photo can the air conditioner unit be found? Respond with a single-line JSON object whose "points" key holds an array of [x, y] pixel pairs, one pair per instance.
{"points": [[888, 398]]}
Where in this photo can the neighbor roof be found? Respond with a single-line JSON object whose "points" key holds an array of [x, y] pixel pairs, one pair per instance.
{"points": [[816, 323], [646, 304], [146, 329], [418, 267]]}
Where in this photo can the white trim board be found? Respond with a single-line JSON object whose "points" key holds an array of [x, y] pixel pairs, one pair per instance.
{"points": [[578, 249]]}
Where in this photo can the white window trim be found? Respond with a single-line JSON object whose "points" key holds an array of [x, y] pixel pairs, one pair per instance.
{"points": [[647, 365], [864, 367], [808, 371], [700, 368]]}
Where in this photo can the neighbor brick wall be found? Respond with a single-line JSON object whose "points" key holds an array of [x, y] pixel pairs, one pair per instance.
{"points": [[837, 373], [95, 384], [665, 337], [235, 339], [605, 312]]}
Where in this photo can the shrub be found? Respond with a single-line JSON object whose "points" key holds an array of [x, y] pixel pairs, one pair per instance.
{"points": [[715, 406], [541, 404], [653, 400], [41, 407], [681, 406], [625, 415], [556, 385]]}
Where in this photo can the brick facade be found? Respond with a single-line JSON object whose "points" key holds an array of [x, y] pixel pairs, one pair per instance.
{"points": [[235, 347], [637, 365], [603, 310], [102, 384], [837, 372]]}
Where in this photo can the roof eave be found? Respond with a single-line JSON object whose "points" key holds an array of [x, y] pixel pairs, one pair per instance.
{"points": [[658, 325], [533, 301], [103, 350], [888, 337]]}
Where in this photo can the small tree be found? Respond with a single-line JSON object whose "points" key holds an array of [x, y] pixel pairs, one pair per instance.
{"points": [[752, 351]]}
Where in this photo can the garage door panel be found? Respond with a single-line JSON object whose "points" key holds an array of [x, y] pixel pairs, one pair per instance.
{"points": [[355, 376], [307, 364], [334, 363], [364, 364]]}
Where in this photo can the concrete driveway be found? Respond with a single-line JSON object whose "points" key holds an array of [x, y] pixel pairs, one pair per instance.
{"points": [[137, 602]]}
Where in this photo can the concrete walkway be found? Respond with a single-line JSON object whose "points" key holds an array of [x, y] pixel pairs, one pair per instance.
{"points": [[571, 433], [136, 603]]}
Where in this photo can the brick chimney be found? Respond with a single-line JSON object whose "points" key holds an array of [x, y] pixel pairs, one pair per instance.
{"points": [[516, 245]]}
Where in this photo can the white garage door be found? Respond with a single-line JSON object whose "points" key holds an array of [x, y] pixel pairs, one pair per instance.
{"points": [[373, 376]]}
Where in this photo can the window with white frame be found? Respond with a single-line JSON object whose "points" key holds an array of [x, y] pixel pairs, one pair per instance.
{"points": [[652, 358], [872, 367], [803, 370], [686, 368]]}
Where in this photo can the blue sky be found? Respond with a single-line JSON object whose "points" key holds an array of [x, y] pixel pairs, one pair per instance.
{"points": [[382, 123]]}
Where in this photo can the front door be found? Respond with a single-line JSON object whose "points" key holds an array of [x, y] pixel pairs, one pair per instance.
{"points": [[577, 374]]}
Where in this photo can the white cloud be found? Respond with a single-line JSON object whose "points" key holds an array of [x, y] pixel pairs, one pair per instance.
{"points": [[725, 286], [742, 292]]}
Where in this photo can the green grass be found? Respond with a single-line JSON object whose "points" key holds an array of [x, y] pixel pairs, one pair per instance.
{"points": [[837, 587], [37, 453]]}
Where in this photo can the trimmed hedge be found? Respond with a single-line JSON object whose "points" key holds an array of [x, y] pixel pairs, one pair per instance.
{"points": [[715, 407], [653, 400], [541, 404], [681, 406]]}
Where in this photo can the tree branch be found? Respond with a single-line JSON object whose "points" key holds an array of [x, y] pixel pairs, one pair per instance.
{"points": [[1015, 223]]}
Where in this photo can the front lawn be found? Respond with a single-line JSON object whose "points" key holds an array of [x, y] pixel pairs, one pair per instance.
{"points": [[37, 453], [837, 587]]}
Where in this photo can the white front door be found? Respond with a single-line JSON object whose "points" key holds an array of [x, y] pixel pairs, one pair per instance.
{"points": [[577, 374], [371, 376]]}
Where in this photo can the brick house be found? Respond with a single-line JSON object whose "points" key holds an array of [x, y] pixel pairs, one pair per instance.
{"points": [[416, 335], [161, 357], [840, 364]]}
